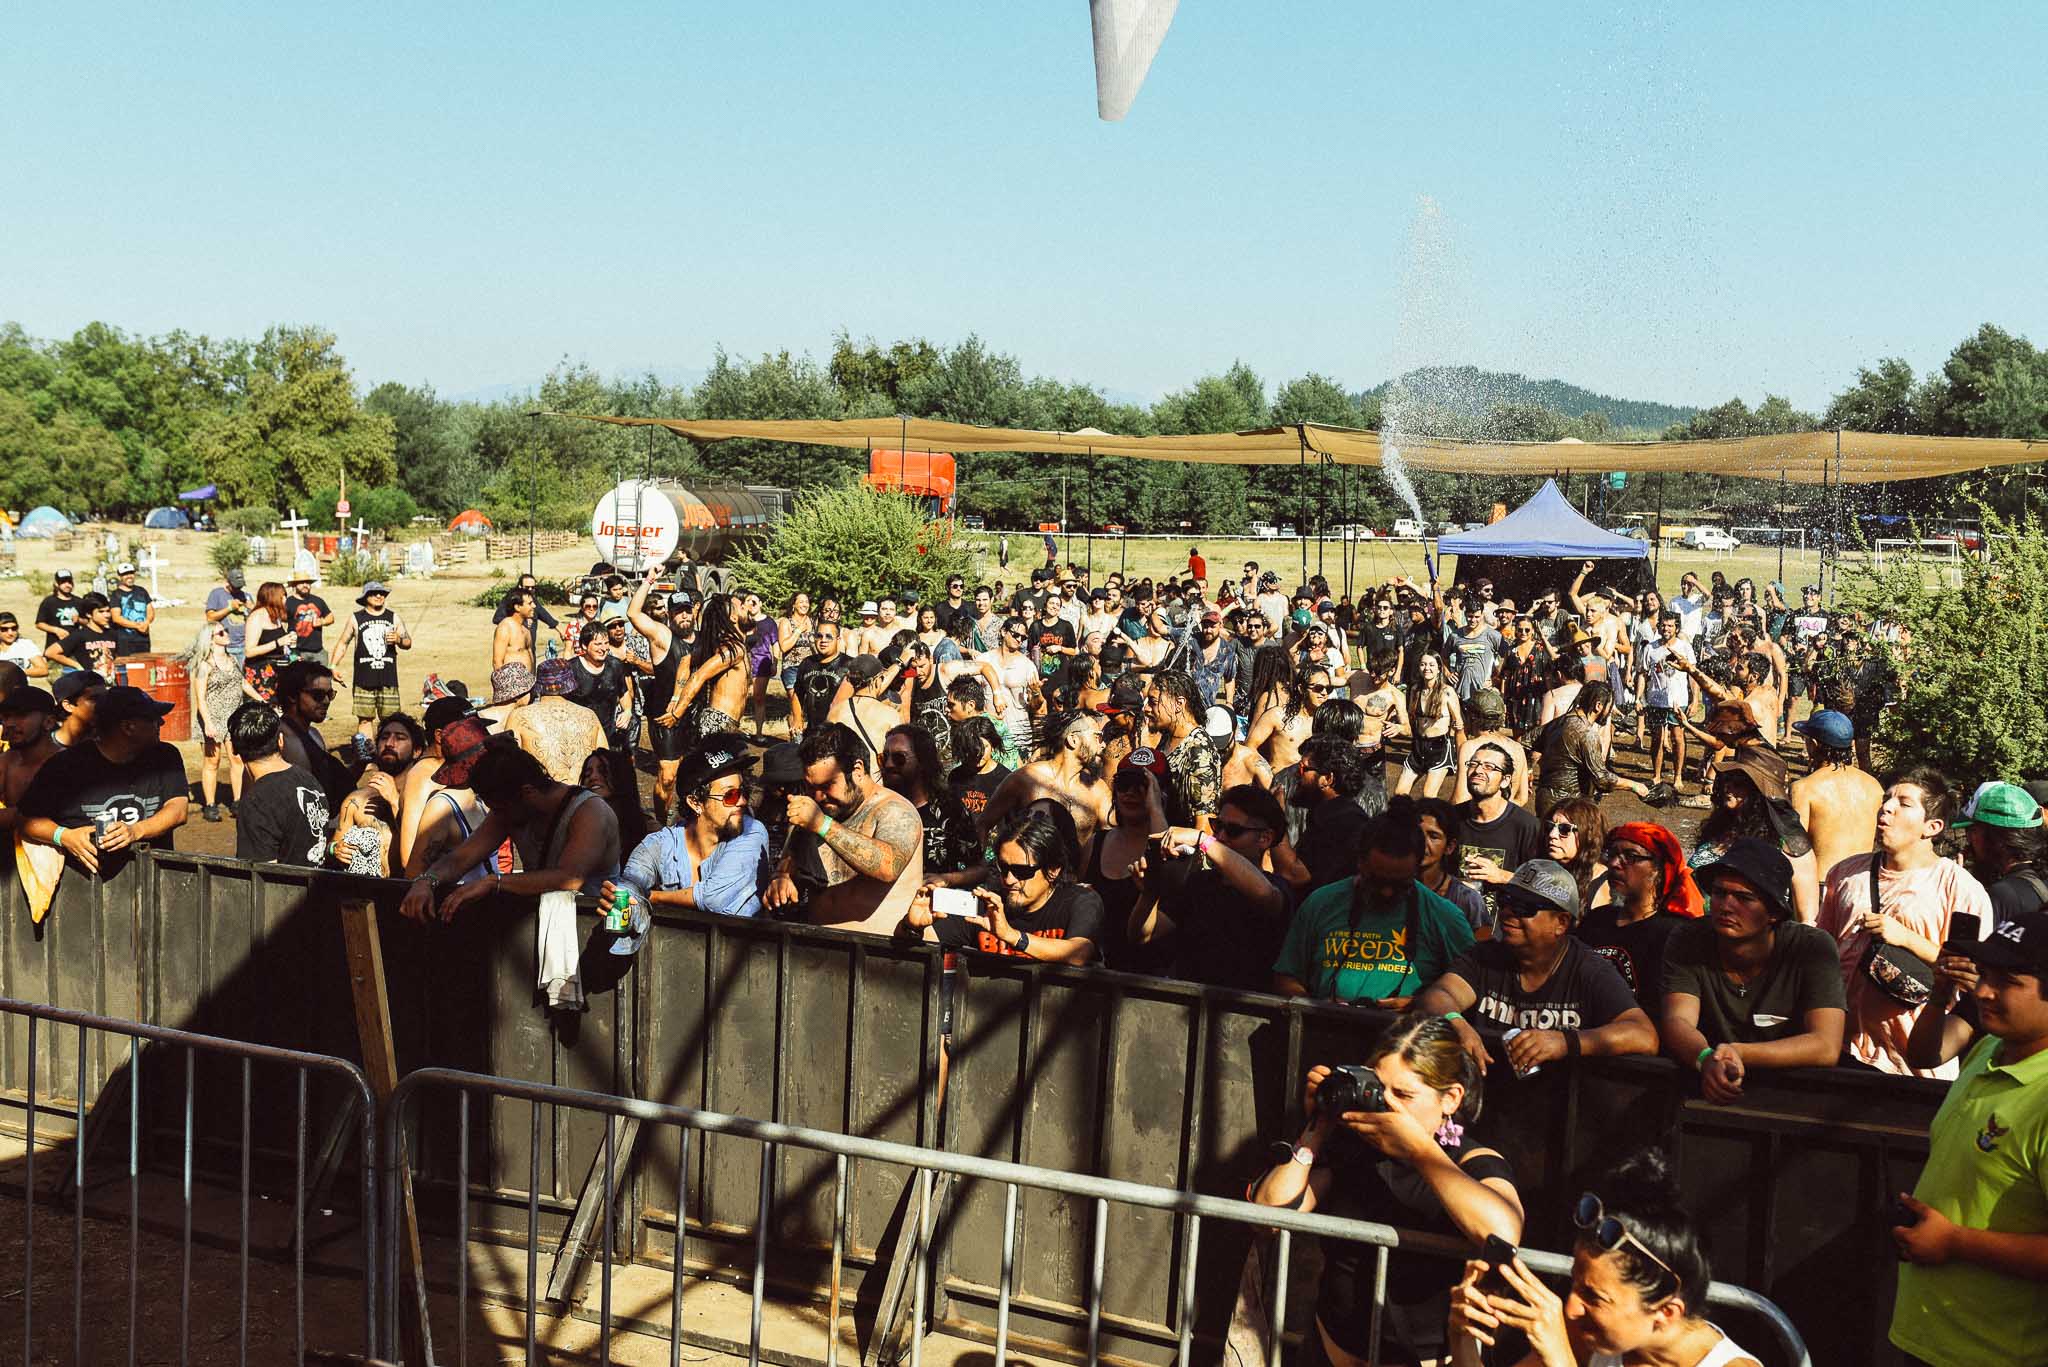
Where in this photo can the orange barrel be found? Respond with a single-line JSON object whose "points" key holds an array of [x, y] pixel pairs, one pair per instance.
{"points": [[330, 546], [163, 677]]}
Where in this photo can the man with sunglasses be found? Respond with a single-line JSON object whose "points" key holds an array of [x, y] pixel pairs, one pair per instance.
{"points": [[1536, 977], [305, 690], [1035, 911], [1974, 1246], [1379, 935], [714, 857]]}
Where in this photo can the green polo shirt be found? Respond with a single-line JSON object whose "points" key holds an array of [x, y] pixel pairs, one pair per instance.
{"points": [[1987, 1168]]}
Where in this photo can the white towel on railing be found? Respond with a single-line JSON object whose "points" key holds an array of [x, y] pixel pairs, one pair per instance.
{"points": [[559, 951]]}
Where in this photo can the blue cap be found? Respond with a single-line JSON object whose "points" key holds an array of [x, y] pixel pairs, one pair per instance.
{"points": [[1830, 728]]}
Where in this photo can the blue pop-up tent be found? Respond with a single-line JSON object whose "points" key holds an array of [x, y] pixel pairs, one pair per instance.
{"points": [[43, 520], [1538, 547], [167, 519]]}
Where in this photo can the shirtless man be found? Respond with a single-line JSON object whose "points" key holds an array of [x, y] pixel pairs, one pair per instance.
{"points": [[719, 671], [512, 642], [667, 650], [1376, 691], [1071, 773], [1279, 732], [1837, 802], [1610, 634], [1486, 718], [868, 839], [1241, 763], [26, 718]]}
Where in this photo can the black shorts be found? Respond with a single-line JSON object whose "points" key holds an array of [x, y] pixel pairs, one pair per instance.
{"points": [[667, 742]]}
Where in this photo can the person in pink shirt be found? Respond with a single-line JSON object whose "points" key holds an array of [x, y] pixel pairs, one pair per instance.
{"points": [[1919, 895]]}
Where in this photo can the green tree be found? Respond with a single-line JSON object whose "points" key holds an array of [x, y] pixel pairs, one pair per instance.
{"points": [[1971, 703], [434, 467], [299, 427], [386, 508]]}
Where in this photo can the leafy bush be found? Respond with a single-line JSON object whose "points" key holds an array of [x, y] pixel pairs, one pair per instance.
{"points": [[254, 520], [385, 508], [1971, 657], [853, 542], [229, 551], [351, 570]]}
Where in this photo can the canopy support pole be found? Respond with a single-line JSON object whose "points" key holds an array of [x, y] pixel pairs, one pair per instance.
{"points": [[1088, 515], [1301, 495], [1657, 534], [1322, 505], [1781, 530]]}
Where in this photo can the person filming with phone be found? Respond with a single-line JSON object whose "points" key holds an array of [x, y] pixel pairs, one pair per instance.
{"points": [[1039, 912], [1389, 1141]]}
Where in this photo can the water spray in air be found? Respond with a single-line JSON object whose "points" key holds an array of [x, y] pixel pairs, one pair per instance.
{"points": [[1426, 312]]}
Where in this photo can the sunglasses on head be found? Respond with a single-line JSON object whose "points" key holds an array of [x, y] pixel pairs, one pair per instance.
{"points": [[1610, 1233], [1017, 873]]}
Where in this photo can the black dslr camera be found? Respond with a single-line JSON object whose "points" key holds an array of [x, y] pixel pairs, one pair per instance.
{"points": [[1351, 1087]]}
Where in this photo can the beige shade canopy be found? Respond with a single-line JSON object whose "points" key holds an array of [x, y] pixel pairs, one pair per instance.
{"points": [[1799, 457]]}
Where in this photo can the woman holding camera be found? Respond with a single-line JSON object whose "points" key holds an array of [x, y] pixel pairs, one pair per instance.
{"points": [[1400, 1158], [1639, 1285]]}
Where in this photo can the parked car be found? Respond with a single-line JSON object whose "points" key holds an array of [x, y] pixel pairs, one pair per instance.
{"points": [[1708, 539], [1633, 531], [1357, 532], [972, 523], [1265, 531], [1408, 529]]}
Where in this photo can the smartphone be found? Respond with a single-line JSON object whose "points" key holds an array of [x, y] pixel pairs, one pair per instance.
{"points": [[952, 902], [1496, 1253], [1965, 928]]}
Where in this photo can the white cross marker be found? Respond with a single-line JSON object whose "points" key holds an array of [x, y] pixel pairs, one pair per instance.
{"points": [[361, 531], [294, 524], [151, 561]]}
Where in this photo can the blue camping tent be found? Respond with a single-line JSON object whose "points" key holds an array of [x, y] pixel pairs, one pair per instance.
{"points": [[43, 520], [1548, 527], [167, 519], [1537, 548]]}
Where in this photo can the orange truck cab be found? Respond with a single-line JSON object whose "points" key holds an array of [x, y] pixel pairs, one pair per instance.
{"points": [[927, 476]]}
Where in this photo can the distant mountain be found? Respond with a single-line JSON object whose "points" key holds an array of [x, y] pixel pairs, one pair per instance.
{"points": [[1470, 392]]}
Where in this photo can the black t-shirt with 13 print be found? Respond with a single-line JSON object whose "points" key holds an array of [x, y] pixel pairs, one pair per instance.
{"points": [[81, 786]]}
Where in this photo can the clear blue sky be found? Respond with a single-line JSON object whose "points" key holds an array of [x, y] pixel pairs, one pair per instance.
{"points": [[1681, 204]]}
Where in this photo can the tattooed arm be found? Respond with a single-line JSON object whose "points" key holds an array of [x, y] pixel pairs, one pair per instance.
{"points": [[881, 855]]}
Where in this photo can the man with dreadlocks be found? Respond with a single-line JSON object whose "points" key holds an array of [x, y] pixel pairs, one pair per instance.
{"points": [[1070, 771], [719, 675]]}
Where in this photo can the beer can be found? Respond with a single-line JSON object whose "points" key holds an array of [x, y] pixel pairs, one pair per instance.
{"points": [[618, 916], [1508, 1036]]}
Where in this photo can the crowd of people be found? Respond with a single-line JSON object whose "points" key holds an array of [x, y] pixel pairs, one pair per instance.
{"points": [[1406, 802]]}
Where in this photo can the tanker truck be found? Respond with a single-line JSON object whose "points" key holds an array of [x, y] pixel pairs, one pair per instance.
{"points": [[646, 524]]}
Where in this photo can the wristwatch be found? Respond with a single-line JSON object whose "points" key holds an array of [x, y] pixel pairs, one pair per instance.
{"points": [[1023, 939]]}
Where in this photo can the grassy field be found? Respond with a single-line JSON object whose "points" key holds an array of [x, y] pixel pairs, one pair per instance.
{"points": [[1371, 562]]}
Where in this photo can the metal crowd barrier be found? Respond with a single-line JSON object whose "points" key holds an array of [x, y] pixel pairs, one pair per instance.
{"points": [[88, 1124], [1187, 1210]]}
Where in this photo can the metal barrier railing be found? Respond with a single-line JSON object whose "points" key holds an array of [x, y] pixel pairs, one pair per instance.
{"points": [[85, 1129], [927, 1164]]}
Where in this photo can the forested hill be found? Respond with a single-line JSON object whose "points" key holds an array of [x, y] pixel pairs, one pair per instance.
{"points": [[1470, 392]]}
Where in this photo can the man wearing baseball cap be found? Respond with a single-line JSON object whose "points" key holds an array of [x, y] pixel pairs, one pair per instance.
{"points": [[715, 857], [1579, 1004], [1973, 1249], [124, 787], [134, 612], [57, 616], [1836, 802], [2008, 847]]}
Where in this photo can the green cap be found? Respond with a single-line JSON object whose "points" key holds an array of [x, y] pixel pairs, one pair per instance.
{"points": [[2001, 804]]}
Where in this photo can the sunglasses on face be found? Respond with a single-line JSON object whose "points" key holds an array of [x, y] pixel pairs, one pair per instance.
{"points": [[1563, 828], [1624, 858], [735, 798], [1017, 873], [320, 694], [1232, 830]]}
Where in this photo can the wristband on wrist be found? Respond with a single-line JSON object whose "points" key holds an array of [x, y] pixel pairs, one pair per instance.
{"points": [[1700, 1063], [824, 829], [1303, 1155], [1454, 1015], [58, 838]]}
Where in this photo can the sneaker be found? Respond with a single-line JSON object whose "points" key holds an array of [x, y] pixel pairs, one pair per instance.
{"points": [[210, 812]]}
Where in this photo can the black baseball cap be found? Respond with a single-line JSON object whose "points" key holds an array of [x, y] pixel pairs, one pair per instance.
{"points": [[124, 703], [2018, 945]]}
